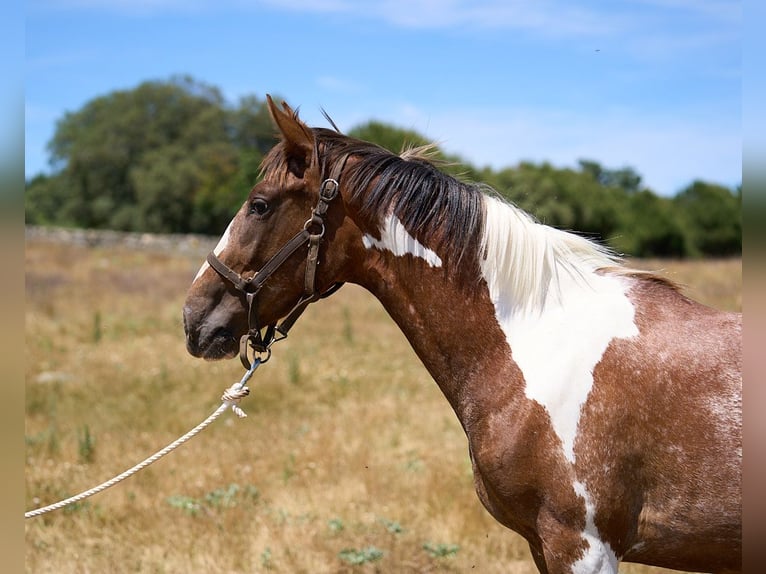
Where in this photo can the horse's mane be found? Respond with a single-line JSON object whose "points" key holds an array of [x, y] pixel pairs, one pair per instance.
{"points": [[441, 211], [459, 219]]}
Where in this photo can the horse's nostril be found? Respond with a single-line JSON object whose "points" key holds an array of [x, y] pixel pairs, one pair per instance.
{"points": [[192, 335], [223, 334], [187, 315]]}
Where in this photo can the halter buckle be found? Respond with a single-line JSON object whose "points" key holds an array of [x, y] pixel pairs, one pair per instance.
{"points": [[329, 189]]}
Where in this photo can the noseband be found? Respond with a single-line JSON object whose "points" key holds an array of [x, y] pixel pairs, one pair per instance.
{"points": [[312, 233]]}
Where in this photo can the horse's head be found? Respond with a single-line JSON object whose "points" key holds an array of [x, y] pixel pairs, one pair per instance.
{"points": [[276, 251]]}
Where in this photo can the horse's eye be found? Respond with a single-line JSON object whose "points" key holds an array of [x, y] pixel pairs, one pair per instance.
{"points": [[258, 207]]}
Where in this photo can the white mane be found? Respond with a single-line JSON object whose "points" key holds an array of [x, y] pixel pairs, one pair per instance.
{"points": [[529, 261]]}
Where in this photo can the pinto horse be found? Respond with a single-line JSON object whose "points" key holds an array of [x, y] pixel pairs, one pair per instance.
{"points": [[602, 407]]}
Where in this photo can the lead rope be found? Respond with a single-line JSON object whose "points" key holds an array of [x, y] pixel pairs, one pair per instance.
{"points": [[229, 399]]}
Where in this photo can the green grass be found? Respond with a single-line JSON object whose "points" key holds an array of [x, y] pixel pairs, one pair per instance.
{"points": [[350, 459]]}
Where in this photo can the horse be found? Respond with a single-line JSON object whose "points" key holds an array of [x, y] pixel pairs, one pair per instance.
{"points": [[602, 407]]}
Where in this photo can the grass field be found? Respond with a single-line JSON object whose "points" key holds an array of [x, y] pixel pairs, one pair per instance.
{"points": [[350, 459]]}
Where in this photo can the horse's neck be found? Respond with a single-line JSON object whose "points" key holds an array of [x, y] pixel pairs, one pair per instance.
{"points": [[538, 306], [480, 341], [453, 330]]}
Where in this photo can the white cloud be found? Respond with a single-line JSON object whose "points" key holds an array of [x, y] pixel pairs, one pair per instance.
{"points": [[337, 84], [717, 10], [656, 37], [549, 17], [664, 29]]}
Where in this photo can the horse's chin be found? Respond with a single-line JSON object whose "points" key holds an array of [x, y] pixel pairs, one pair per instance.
{"points": [[219, 355]]}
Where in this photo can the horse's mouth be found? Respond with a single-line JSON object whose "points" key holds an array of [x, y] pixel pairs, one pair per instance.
{"points": [[220, 344]]}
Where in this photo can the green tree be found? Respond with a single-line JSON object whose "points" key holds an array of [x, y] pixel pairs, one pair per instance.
{"points": [[392, 138], [624, 178], [563, 198], [165, 156], [712, 215], [41, 206], [251, 125], [648, 227], [174, 157]]}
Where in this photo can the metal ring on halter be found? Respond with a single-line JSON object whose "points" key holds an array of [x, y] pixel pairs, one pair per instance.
{"points": [[248, 342], [315, 221], [267, 352]]}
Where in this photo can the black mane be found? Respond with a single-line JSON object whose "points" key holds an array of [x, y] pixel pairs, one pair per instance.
{"points": [[443, 213]]}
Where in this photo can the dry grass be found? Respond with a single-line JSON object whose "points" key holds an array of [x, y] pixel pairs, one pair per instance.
{"points": [[349, 448]]}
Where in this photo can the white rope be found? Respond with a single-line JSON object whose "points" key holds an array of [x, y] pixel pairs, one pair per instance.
{"points": [[229, 400]]}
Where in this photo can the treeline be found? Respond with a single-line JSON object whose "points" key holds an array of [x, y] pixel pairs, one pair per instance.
{"points": [[175, 157]]}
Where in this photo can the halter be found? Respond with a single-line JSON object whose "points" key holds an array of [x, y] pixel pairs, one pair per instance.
{"points": [[312, 233]]}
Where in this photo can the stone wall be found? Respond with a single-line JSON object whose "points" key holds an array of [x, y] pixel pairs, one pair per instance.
{"points": [[181, 243]]}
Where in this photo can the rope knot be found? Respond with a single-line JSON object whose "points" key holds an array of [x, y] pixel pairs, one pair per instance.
{"points": [[232, 396]]}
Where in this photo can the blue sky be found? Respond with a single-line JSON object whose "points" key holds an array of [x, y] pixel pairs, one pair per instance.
{"points": [[652, 84]]}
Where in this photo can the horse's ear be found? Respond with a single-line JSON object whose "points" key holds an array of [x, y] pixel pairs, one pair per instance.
{"points": [[297, 137]]}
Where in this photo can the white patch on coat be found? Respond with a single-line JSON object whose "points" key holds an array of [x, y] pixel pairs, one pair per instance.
{"points": [[599, 557], [557, 314], [222, 243], [396, 239]]}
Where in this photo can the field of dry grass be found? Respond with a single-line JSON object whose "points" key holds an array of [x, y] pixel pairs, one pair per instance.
{"points": [[350, 459]]}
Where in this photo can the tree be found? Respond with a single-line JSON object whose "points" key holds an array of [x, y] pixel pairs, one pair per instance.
{"points": [[563, 198], [41, 204], [624, 178], [175, 157], [165, 156], [392, 138], [712, 214], [251, 125], [649, 227]]}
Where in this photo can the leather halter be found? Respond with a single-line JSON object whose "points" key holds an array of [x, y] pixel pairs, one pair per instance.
{"points": [[312, 233]]}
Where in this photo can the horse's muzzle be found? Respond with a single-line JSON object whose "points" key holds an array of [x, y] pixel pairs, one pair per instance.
{"points": [[208, 341]]}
